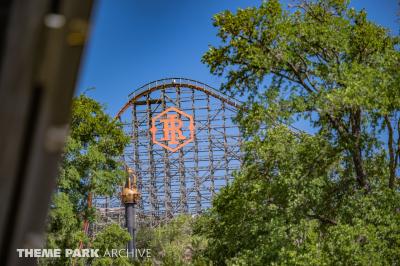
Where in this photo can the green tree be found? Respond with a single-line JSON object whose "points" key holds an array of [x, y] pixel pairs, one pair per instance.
{"points": [[329, 197], [112, 237], [172, 243], [90, 166]]}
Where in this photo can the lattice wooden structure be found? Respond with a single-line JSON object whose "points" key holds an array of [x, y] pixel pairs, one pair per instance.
{"points": [[186, 180]]}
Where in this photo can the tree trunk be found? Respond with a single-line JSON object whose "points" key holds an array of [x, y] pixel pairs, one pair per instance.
{"points": [[356, 149]]}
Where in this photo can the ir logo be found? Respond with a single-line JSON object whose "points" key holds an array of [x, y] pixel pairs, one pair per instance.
{"points": [[176, 127]]}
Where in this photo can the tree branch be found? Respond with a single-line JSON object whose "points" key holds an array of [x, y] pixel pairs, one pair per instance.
{"points": [[322, 219], [355, 119], [392, 161]]}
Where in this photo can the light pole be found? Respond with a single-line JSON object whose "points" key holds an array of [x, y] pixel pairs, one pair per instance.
{"points": [[130, 197]]}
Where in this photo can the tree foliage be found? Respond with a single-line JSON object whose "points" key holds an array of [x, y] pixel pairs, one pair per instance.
{"points": [[329, 196], [111, 237], [90, 166], [173, 243]]}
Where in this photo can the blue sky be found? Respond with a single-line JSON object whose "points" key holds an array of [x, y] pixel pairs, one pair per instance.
{"points": [[134, 42]]}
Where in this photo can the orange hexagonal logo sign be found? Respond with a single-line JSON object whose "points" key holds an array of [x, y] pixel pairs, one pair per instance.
{"points": [[172, 129]]}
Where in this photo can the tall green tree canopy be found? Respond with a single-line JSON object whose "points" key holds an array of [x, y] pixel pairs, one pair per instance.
{"points": [[91, 162], [330, 197], [90, 166]]}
